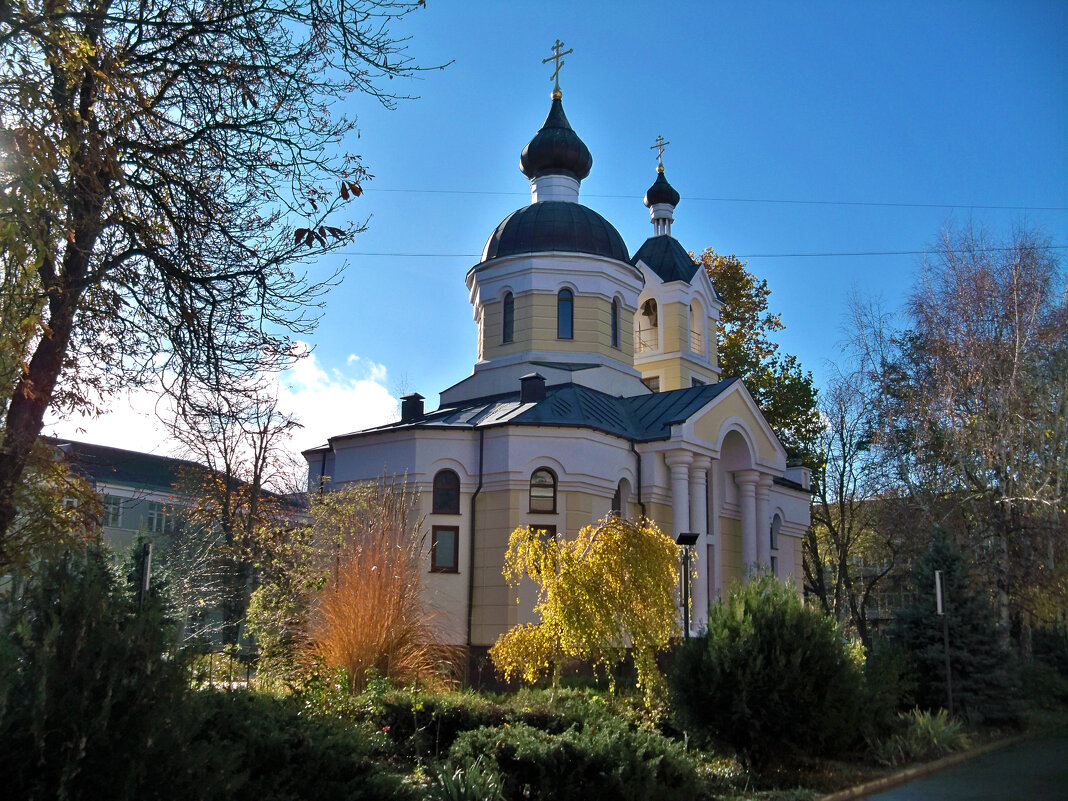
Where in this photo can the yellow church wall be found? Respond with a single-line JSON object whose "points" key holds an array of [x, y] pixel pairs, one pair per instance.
{"points": [[731, 550], [534, 327], [708, 427], [496, 516], [579, 513]]}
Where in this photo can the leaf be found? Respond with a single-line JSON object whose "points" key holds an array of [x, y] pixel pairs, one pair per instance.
{"points": [[355, 187], [344, 191], [298, 235], [309, 240]]}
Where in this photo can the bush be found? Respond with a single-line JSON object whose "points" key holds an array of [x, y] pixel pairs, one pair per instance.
{"points": [[924, 736], [771, 678], [606, 760], [87, 700], [984, 674], [888, 689], [251, 747], [1045, 686]]}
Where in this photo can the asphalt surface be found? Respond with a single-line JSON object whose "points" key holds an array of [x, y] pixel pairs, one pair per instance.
{"points": [[1033, 770]]}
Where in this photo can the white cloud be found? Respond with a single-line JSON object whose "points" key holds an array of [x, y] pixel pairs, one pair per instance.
{"points": [[326, 402], [331, 402]]}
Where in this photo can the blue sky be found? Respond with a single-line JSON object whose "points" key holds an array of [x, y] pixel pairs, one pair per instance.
{"points": [[795, 128]]}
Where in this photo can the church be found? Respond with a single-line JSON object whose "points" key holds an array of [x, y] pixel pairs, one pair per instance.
{"points": [[596, 389]]}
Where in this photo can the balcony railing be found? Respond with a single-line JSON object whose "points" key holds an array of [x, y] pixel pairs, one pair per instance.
{"points": [[645, 341]]}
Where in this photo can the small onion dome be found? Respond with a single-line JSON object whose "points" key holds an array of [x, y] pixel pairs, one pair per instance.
{"points": [[661, 191], [555, 225], [556, 149]]}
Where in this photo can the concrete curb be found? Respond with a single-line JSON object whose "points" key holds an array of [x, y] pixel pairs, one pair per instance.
{"points": [[919, 771]]}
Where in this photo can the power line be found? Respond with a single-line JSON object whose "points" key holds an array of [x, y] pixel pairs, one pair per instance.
{"points": [[791, 201], [739, 255]]}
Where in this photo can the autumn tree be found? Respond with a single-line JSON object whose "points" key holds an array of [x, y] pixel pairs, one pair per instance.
{"points": [[240, 439], [853, 540], [971, 394], [609, 588], [783, 390], [167, 169]]}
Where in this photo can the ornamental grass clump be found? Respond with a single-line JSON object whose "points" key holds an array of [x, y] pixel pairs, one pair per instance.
{"points": [[610, 589], [372, 612]]}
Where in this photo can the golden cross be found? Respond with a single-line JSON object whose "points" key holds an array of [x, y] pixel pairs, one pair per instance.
{"points": [[659, 147], [558, 57]]}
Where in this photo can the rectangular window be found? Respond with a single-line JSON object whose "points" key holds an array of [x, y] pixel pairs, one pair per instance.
{"points": [[160, 519], [653, 382], [113, 511], [444, 547], [697, 382]]}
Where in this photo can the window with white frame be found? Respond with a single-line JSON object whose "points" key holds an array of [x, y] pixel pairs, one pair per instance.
{"points": [[113, 511], [160, 518]]}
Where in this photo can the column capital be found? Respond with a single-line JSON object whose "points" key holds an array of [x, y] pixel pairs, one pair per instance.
{"points": [[678, 458], [701, 462], [746, 478]]}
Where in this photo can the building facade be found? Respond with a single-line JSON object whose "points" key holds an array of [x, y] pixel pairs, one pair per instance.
{"points": [[596, 389]]}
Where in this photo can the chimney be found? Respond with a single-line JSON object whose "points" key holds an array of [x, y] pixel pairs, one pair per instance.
{"points": [[531, 388], [411, 408]]}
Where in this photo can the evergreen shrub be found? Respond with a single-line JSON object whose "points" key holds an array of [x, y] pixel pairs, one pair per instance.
{"points": [[604, 760], [88, 701], [984, 675], [771, 678]]}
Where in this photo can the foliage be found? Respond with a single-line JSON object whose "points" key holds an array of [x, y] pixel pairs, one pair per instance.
{"points": [[970, 390], [59, 510], [474, 782], [240, 438], [783, 391], [771, 678], [889, 689], [982, 669], [609, 760], [925, 736], [373, 614], [292, 565], [1044, 686], [852, 543], [88, 703], [167, 170], [609, 589], [252, 747]]}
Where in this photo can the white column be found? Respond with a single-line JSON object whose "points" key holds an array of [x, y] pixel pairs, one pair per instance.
{"points": [[763, 521], [679, 463], [747, 481], [714, 532], [699, 523]]}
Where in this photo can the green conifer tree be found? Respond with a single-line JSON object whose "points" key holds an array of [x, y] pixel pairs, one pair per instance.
{"points": [[984, 680]]}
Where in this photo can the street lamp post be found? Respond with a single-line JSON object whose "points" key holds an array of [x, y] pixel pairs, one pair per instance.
{"points": [[687, 540]]}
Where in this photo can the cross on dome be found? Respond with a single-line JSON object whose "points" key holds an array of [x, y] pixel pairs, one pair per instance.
{"points": [[558, 58], [659, 148]]}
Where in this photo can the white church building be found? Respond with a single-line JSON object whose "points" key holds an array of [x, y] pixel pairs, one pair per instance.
{"points": [[596, 389]]}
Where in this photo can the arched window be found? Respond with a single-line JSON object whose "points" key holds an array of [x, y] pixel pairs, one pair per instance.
{"points": [[621, 498], [446, 493], [508, 318], [615, 323], [565, 314], [776, 524], [697, 329], [543, 491], [647, 337]]}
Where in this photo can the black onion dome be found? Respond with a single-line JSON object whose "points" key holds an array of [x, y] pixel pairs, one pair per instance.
{"points": [[661, 192], [556, 149], [555, 225]]}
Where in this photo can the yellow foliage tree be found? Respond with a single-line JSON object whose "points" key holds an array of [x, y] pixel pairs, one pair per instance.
{"points": [[609, 589]]}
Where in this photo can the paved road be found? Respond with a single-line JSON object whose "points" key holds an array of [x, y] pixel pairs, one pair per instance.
{"points": [[1034, 770]]}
